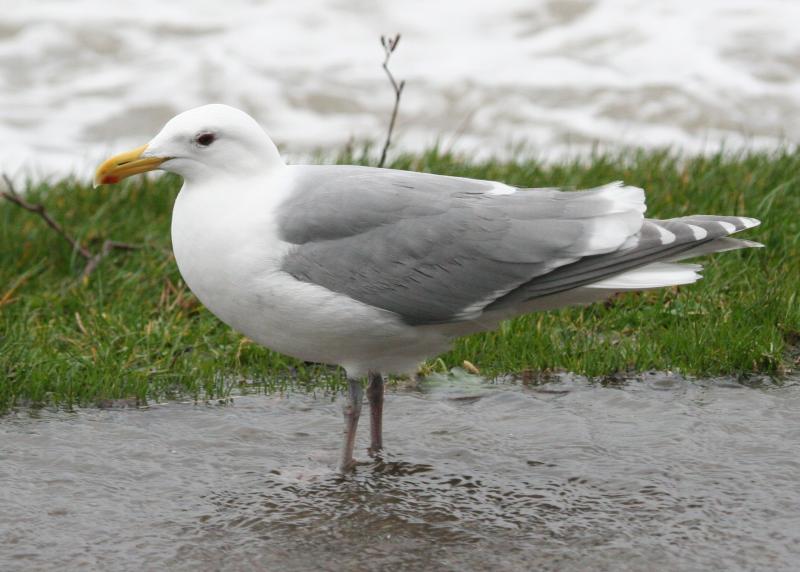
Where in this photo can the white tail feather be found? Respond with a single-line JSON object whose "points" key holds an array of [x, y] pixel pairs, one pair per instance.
{"points": [[655, 275]]}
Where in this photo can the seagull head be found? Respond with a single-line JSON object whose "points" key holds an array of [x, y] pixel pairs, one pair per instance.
{"points": [[202, 143]]}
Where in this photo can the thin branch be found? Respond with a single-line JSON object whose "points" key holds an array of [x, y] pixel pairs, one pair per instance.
{"points": [[92, 260], [389, 46], [13, 196]]}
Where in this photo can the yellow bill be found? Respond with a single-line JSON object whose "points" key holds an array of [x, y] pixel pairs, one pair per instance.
{"points": [[124, 165]]}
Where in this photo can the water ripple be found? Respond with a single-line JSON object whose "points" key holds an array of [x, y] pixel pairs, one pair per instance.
{"points": [[658, 473]]}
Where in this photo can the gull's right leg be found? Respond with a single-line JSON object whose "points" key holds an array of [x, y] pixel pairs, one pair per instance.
{"points": [[352, 411]]}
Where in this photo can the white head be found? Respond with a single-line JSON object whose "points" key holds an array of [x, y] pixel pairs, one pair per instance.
{"points": [[202, 143]]}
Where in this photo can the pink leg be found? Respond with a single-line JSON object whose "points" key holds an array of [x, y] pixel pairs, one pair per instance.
{"points": [[352, 411]]}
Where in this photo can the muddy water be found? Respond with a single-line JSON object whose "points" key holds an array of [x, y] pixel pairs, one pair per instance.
{"points": [[654, 474]]}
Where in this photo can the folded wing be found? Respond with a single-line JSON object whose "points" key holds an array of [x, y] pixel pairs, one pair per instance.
{"points": [[436, 249]]}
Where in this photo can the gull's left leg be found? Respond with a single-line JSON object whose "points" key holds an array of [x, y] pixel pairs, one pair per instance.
{"points": [[351, 411], [375, 397]]}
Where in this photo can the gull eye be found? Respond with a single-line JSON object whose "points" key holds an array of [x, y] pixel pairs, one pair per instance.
{"points": [[205, 139]]}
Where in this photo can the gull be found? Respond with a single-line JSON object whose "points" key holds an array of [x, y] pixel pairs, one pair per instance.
{"points": [[376, 270]]}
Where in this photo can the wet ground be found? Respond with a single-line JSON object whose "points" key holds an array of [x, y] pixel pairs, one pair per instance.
{"points": [[658, 473]]}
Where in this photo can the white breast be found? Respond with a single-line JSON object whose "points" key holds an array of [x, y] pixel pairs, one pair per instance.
{"points": [[228, 251]]}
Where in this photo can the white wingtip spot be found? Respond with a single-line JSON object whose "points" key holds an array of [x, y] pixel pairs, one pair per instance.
{"points": [[749, 222], [667, 237], [728, 227], [698, 231]]}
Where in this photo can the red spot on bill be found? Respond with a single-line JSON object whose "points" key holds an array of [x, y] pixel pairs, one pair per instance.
{"points": [[110, 180]]}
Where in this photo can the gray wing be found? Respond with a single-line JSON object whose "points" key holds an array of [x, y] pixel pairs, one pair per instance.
{"points": [[436, 249]]}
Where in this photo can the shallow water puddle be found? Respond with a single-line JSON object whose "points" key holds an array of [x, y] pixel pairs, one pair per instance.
{"points": [[656, 474]]}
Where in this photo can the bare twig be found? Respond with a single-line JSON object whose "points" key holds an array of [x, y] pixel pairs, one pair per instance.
{"points": [[389, 46], [13, 196], [92, 259]]}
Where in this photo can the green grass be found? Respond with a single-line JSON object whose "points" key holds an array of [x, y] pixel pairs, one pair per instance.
{"points": [[134, 331]]}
